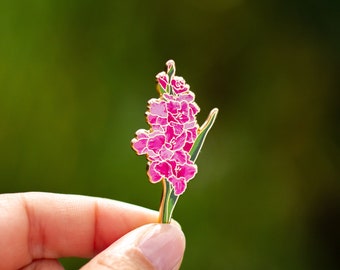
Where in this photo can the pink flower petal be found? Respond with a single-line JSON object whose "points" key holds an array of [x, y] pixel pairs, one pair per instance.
{"points": [[164, 169], [173, 165], [139, 146], [165, 153], [178, 85], [156, 143], [178, 142], [162, 121], [162, 79], [191, 135], [159, 109], [142, 133], [180, 157], [169, 97], [153, 174], [157, 128], [194, 108], [187, 147], [172, 118], [183, 118], [139, 143], [188, 96], [151, 119], [187, 171], [173, 107], [191, 125], [178, 128], [169, 133], [178, 184]]}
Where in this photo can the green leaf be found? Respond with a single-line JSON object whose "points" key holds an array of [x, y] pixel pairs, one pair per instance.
{"points": [[168, 202], [160, 90], [203, 132]]}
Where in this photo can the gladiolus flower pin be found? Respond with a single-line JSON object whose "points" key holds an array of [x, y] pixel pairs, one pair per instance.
{"points": [[174, 140]]}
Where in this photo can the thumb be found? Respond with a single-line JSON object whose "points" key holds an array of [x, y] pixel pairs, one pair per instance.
{"points": [[152, 246]]}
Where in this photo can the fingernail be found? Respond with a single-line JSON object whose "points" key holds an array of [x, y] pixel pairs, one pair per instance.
{"points": [[163, 246]]}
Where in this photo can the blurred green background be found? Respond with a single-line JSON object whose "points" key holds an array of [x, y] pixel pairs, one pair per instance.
{"points": [[75, 77]]}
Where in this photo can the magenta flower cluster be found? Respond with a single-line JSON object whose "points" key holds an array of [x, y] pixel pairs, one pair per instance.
{"points": [[173, 131]]}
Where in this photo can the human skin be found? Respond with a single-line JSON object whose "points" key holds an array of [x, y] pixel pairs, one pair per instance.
{"points": [[38, 228]]}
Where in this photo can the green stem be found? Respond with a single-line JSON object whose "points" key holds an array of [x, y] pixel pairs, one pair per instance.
{"points": [[168, 203]]}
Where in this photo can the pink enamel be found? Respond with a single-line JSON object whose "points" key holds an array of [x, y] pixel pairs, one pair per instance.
{"points": [[173, 130]]}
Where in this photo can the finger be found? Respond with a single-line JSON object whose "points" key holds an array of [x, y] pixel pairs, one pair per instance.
{"points": [[43, 265], [47, 225], [150, 247]]}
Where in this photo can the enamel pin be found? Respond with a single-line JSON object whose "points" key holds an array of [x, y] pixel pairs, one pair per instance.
{"points": [[174, 140]]}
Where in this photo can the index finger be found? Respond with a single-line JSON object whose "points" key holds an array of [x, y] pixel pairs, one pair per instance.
{"points": [[47, 225]]}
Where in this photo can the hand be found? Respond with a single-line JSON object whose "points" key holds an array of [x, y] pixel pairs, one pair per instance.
{"points": [[38, 228]]}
